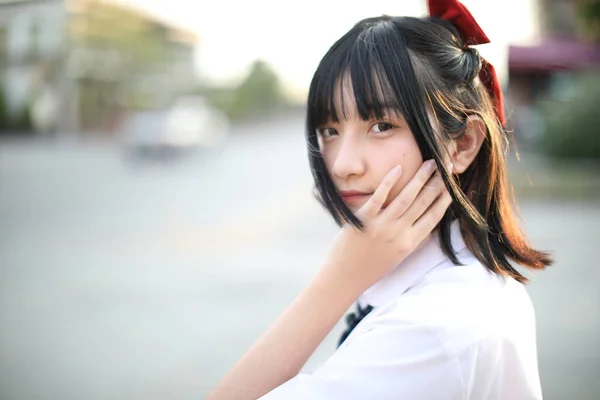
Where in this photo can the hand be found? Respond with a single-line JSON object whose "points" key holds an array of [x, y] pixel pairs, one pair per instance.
{"points": [[362, 258], [356, 261]]}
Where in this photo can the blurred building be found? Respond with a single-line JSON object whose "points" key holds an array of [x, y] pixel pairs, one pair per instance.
{"points": [[546, 70], [79, 65]]}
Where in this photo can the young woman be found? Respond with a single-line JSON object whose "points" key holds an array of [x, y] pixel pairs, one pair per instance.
{"points": [[406, 144]]}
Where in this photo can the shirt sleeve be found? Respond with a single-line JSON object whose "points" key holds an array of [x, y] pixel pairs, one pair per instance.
{"points": [[396, 360]]}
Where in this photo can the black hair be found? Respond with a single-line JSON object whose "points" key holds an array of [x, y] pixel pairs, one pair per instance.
{"points": [[419, 66]]}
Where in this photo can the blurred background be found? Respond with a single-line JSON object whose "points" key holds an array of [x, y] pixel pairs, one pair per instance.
{"points": [[156, 209]]}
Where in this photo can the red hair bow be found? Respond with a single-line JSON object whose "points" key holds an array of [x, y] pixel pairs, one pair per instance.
{"points": [[471, 33]]}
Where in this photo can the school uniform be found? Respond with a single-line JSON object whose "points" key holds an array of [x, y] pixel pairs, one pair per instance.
{"points": [[432, 330]]}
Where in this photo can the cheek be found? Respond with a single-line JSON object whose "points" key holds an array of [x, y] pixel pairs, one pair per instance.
{"points": [[403, 151], [328, 158]]}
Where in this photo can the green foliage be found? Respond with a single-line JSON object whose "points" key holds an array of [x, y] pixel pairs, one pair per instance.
{"points": [[218, 97], [259, 94], [19, 121], [3, 110], [25, 121], [589, 13], [572, 128]]}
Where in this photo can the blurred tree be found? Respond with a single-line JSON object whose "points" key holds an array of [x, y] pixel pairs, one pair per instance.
{"points": [[589, 13], [558, 17], [571, 125], [19, 121], [259, 94], [22, 121], [220, 97], [3, 110]]}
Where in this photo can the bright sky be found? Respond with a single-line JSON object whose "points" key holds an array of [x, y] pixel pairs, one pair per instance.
{"points": [[293, 36]]}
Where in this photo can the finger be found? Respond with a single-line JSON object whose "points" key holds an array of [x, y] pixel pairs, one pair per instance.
{"points": [[400, 204], [374, 204], [433, 215], [428, 194]]}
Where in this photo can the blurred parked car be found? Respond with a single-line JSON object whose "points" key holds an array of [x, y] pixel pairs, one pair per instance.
{"points": [[189, 124]]}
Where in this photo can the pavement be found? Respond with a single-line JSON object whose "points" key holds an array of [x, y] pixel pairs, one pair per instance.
{"points": [[148, 280]]}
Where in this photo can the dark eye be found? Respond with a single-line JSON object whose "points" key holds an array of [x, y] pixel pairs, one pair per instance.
{"points": [[326, 132], [381, 127]]}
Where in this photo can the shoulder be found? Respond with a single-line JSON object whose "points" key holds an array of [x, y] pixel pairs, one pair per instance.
{"points": [[467, 318], [464, 305]]}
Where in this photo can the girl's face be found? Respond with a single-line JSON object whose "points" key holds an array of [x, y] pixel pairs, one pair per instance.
{"points": [[358, 154]]}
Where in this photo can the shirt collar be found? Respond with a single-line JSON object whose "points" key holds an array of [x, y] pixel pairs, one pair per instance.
{"points": [[410, 271]]}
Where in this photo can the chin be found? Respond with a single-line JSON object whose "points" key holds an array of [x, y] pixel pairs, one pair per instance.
{"points": [[353, 207]]}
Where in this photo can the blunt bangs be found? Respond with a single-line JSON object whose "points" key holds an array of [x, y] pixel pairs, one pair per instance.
{"points": [[374, 61]]}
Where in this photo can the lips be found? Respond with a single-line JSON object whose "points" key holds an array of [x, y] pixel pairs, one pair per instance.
{"points": [[354, 196]]}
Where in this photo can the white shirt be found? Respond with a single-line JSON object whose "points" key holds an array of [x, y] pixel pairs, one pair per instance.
{"points": [[437, 331]]}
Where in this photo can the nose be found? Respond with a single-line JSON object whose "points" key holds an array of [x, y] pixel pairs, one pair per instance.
{"points": [[349, 159]]}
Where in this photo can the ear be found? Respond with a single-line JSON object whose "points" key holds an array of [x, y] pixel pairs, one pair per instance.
{"points": [[465, 148]]}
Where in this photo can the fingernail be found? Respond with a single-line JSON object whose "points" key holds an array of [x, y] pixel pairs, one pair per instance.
{"points": [[397, 169], [450, 166], [430, 165]]}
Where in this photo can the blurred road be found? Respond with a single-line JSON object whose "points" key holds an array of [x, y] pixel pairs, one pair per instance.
{"points": [[123, 280]]}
